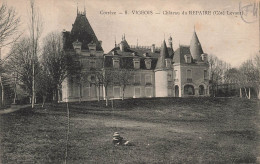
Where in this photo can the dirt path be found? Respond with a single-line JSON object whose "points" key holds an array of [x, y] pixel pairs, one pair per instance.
{"points": [[13, 108]]}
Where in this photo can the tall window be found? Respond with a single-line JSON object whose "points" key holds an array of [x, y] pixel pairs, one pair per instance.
{"points": [[137, 79], [168, 63], [169, 76], [148, 79], [189, 76], [148, 92], [176, 75], [92, 64], [137, 92], [205, 74]]}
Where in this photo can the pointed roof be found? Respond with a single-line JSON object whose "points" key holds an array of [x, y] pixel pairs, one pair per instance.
{"points": [[124, 42], [83, 32], [163, 55], [195, 47]]}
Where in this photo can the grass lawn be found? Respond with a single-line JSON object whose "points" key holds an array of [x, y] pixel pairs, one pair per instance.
{"points": [[169, 130]]}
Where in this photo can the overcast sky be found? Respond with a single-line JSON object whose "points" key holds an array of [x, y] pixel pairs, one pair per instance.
{"points": [[228, 37]]}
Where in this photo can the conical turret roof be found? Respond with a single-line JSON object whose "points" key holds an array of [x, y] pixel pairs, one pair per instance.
{"points": [[163, 55], [195, 47]]}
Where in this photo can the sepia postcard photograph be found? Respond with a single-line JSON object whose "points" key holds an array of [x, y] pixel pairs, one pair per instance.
{"points": [[129, 81]]}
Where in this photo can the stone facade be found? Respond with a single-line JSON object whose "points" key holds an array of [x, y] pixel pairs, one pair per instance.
{"points": [[132, 71]]}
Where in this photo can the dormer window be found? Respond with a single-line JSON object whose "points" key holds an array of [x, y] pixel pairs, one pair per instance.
{"points": [[148, 64], [92, 48], [77, 46], [168, 63], [116, 62], [188, 58], [204, 57], [136, 63]]}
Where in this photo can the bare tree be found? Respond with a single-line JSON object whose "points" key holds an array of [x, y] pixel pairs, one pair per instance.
{"points": [[257, 74], [107, 78], [217, 69], [35, 27], [9, 24], [19, 63], [57, 64], [124, 77]]}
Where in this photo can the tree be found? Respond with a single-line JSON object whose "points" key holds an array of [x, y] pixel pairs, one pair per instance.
{"points": [[257, 74], [217, 69], [35, 28], [20, 63], [9, 24], [107, 78], [56, 63], [124, 77]]}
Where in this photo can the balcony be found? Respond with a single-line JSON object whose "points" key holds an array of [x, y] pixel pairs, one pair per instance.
{"points": [[189, 80]]}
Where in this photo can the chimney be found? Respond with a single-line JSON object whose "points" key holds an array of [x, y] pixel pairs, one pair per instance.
{"points": [[153, 48], [100, 42], [170, 42], [122, 47]]}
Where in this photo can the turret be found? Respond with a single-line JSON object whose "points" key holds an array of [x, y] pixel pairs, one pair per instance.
{"points": [[195, 48], [161, 72]]}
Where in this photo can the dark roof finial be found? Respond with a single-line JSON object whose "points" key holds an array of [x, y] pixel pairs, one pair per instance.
{"points": [[115, 41], [84, 7], [77, 8]]}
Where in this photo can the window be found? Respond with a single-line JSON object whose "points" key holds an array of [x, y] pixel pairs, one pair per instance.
{"points": [[92, 64], [148, 92], [148, 79], [189, 76], [136, 64], [116, 63], [116, 92], [205, 74], [86, 91], [188, 59], [148, 63], [176, 75], [169, 76], [137, 79], [168, 63], [137, 92]]}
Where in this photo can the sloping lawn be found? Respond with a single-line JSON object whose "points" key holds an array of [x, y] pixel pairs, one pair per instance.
{"points": [[169, 130]]}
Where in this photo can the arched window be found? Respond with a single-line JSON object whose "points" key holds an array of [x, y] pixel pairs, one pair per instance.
{"points": [[189, 90], [201, 90]]}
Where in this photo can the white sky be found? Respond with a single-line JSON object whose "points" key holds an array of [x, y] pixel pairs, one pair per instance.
{"points": [[228, 37]]}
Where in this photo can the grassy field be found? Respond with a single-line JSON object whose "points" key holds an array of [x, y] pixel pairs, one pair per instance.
{"points": [[170, 130]]}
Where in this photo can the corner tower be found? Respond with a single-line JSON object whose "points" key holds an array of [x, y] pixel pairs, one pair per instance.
{"points": [[162, 71]]}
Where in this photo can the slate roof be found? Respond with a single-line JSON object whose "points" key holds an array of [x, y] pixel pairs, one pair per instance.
{"points": [[83, 32], [164, 54], [126, 57], [195, 47], [179, 54]]}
